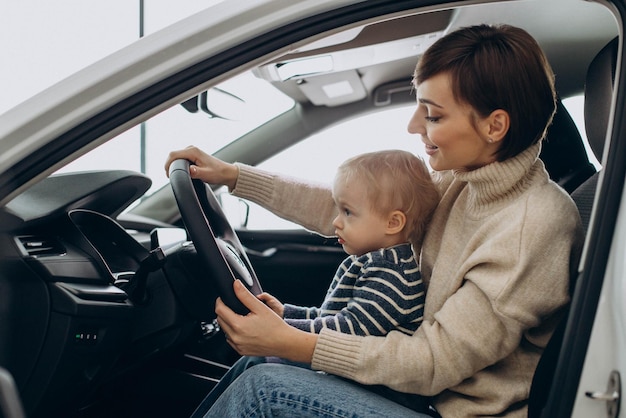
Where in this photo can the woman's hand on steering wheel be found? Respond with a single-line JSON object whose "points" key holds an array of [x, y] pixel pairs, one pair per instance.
{"points": [[262, 332], [205, 167]]}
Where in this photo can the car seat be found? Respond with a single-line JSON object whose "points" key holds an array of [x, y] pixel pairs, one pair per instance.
{"points": [[563, 151], [598, 93]]}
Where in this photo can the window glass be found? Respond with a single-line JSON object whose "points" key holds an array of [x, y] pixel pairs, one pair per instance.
{"points": [[255, 102], [42, 42]]}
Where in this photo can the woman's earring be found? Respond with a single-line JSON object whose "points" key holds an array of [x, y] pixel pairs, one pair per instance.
{"points": [[489, 140]]}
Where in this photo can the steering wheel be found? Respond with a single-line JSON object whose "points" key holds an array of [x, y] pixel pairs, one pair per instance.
{"points": [[215, 240]]}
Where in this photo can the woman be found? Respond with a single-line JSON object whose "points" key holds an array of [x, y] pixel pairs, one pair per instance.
{"points": [[496, 258]]}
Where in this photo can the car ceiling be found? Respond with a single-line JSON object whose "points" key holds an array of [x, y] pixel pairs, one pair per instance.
{"points": [[570, 35]]}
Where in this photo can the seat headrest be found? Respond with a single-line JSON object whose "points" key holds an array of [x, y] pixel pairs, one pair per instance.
{"points": [[563, 151], [598, 93]]}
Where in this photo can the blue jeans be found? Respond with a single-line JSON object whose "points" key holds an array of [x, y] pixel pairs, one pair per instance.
{"points": [[275, 389]]}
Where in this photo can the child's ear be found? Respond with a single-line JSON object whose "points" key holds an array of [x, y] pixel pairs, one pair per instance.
{"points": [[396, 222]]}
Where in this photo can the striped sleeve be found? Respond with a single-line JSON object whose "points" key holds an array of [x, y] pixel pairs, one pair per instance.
{"points": [[373, 297], [299, 312]]}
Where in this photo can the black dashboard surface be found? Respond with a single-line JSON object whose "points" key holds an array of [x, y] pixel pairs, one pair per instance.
{"points": [[107, 192]]}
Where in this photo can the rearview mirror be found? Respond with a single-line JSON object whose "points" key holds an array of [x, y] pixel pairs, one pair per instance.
{"points": [[217, 103]]}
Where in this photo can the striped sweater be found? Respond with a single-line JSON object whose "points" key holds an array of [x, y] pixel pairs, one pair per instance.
{"points": [[370, 295]]}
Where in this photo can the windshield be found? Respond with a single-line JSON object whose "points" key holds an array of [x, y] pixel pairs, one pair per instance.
{"points": [[210, 121]]}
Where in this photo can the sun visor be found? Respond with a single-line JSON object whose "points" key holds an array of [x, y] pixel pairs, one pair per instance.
{"points": [[333, 89]]}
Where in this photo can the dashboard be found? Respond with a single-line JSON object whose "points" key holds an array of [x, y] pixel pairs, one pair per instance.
{"points": [[85, 299]]}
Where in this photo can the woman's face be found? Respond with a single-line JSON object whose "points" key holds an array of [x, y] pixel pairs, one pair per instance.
{"points": [[452, 141]]}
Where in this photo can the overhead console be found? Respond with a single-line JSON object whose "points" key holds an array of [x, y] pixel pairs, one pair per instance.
{"points": [[325, 71]]}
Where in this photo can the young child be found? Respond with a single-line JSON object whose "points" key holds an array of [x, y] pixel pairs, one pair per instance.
{"points": [[384, 201]]}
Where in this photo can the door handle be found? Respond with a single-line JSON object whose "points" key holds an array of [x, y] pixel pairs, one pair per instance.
{"points": [[612, 395], [601, 396]]}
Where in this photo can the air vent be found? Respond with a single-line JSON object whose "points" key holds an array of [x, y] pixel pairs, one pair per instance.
{"points": [[41, 246]]}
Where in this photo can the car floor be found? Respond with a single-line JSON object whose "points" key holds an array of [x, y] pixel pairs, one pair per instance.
{"points": [[171, 386]]}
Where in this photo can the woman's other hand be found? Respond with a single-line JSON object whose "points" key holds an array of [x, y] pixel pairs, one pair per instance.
{"points": [[262, 332], [205, 167]]}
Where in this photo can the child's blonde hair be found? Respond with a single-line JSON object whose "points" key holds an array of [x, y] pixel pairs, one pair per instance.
{"points": [[395, 180]]}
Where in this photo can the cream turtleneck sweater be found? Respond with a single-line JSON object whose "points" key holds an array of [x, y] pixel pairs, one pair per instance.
{"points": [[497, 259]]}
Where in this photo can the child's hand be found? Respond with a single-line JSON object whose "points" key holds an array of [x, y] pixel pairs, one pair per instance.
{"points": [[273, 303]]}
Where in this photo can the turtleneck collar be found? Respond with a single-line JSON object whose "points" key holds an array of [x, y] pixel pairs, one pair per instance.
{"points": [[501, 181]]}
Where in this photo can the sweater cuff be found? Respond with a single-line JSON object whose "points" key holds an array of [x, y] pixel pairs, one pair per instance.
{"points": [[294, 312], [253, 184], [337, 353]]}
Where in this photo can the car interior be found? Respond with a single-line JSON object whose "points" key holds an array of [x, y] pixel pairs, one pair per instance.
{"points": [[107, 309]]}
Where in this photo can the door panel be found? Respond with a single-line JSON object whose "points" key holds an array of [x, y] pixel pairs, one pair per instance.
{"points": [[604, 358]]}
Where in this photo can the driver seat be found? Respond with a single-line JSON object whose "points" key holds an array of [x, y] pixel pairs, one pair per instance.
{"points": [[598, 92]]}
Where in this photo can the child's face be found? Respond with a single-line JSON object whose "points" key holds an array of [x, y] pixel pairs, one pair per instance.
{"points": [[359, 228]]}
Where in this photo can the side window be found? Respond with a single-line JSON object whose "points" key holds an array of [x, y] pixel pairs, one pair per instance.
{"points": [[318, 156]]}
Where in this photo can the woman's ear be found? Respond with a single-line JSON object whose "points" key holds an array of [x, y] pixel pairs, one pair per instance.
{"points": [[396, 222], [499, 123]]}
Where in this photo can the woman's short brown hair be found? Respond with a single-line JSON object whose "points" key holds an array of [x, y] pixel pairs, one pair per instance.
{"points": [[497, 67], [395, 180]]}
